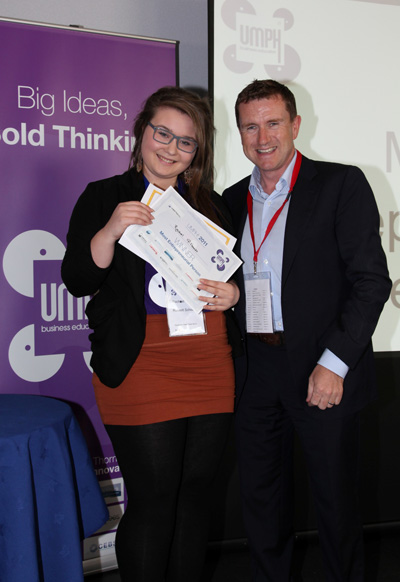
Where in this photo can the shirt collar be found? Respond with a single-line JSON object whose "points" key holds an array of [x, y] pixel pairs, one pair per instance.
{"points": [[281, 187]]}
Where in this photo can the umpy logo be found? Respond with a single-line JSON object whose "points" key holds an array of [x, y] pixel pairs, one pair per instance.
{"points": [[31, 266], [260, 39], [220, 260]]}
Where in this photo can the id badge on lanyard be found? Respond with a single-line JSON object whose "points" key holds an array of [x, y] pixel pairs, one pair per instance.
{"points": [[258, 284], [258, 303]]}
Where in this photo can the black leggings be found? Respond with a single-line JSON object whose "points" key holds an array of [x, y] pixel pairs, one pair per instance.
{"points": [[168, 469]]}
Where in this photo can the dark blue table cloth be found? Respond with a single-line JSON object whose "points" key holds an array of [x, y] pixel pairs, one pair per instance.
{"points": [[49, 495]]}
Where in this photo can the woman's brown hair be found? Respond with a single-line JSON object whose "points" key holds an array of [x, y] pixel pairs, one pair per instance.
{"points": [[201, 169]]}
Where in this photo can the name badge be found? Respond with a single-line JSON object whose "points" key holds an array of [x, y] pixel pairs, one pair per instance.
{"points": [[182, 320], [258, 303]]}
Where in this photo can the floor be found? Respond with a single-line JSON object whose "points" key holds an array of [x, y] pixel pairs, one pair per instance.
{"points": [[231, 562]]}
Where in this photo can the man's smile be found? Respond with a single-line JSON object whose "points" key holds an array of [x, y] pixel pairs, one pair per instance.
{"points": [[266, 150]]}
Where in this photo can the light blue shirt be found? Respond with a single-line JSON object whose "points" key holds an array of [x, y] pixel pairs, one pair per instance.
{"points": [[271, 253]]}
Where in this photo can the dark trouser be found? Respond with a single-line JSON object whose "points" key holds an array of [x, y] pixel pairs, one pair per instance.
{"points": [[168, 469], [268, 413]]}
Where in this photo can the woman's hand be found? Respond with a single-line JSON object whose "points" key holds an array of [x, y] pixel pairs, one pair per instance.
{"points": [[126, 213], [225, 295]]}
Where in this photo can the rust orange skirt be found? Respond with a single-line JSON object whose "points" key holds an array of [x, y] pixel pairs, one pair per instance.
{"points": [[172, 377]]}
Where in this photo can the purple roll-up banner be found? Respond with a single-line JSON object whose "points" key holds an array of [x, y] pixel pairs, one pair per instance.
{"points": [[68, 98]]}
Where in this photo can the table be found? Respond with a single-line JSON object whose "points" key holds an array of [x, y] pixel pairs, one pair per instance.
{"points": [[49, 495]]}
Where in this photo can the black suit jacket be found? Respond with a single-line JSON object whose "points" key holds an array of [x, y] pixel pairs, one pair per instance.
{"points": [[334, 276]]}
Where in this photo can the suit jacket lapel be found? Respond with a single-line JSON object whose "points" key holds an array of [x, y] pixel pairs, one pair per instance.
{"points": [[132, 188], [242, 223], [303, 199]]}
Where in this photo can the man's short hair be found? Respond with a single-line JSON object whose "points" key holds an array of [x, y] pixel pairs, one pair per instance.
{"points": [[266, 89]]}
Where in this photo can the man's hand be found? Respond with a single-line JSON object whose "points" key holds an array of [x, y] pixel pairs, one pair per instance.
{"points": [[325, 388]]}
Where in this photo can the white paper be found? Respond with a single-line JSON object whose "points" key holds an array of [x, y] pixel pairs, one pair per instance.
{"points": [[153, 195], [182, 247]]}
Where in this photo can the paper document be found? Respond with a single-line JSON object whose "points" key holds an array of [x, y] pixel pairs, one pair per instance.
{"points": [[153, 195], [183, 246]]}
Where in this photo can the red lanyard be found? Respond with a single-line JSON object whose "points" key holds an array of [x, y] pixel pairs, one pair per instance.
{"points": [[275, 217]]}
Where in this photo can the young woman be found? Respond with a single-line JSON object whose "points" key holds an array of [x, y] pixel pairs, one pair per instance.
{"points": [[169, 412]]}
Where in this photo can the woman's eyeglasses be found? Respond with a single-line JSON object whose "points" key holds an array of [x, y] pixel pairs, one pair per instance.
{"points": [[185, 144]]}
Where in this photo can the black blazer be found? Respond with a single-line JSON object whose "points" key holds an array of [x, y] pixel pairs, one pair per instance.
{"points": [[116, 313], [334, 275]]}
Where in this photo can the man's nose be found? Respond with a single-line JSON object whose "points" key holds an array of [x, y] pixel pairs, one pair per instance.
{"points": [[263, 135]]}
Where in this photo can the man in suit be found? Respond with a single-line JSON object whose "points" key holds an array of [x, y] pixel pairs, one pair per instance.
{"points": [[313, 284]]}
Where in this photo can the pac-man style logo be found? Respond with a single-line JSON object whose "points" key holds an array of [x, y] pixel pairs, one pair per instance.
{"points": [[260, 39], [31, 266], [220, 260]]}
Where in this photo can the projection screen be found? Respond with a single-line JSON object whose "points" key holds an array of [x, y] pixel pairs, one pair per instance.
{"points": [[340, 60]]}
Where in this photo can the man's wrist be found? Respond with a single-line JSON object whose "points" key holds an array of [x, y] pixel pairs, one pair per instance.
{"points": [[330, 361]]}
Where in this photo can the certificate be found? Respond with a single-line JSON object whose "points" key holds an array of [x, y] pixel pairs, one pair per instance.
{"points": [[183, 246], [153, 195]]}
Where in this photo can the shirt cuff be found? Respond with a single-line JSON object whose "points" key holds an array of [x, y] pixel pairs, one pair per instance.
{"points": [[333, 363]]}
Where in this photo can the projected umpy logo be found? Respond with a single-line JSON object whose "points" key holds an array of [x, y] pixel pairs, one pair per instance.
{"points": [[31, 266], [260, 40]]}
